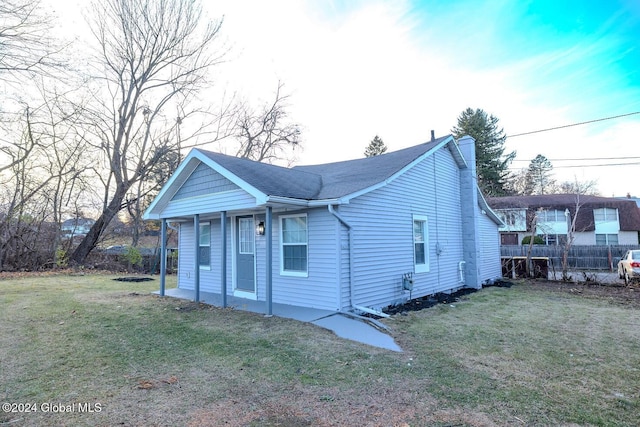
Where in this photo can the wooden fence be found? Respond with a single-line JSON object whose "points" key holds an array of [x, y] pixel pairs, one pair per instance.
{"points": [[580, 257]]}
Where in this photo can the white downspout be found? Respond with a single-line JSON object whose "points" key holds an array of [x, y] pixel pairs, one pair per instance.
{"points": [[351, 284]]}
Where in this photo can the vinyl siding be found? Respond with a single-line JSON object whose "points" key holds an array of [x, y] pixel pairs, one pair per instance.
{"points": [[490, 267], [319, 290], [209, 278], [228, 200], [204, 180], [382, 222]]}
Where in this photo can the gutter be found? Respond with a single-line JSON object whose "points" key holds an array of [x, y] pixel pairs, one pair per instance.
{"points": [[351, 284]]}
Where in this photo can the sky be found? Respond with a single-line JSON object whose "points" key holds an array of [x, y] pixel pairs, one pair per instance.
{"points": [[399, 69]]}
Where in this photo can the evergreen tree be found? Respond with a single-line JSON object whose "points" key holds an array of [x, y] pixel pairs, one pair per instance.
{"points": [[375, 147], [538, 178], [491, 162]]}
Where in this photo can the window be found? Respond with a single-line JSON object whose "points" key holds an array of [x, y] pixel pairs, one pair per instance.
{"points": [[552, 215], [294, 245], [420, 244], [245, 237], [606, 239], [605, 214], [204, 255], [555, 239]]}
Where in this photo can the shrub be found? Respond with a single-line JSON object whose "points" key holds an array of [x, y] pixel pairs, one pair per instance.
{"points": [[133, 256], [536, 241]]}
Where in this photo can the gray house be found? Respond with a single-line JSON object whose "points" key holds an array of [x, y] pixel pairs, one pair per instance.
{"points": [[357, 235]]}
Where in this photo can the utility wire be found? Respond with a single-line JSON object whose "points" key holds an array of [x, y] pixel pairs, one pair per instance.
{"points": [[589, 166], [583, 159], [573, 124]]}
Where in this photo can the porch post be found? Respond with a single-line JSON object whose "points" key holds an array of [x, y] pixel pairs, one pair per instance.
{"points": [[268, 257], [163, 255], [196, 272], [223, 258]]}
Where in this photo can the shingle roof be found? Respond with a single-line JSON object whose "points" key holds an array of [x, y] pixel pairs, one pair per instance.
{"points": [[270, 179], [326, 181], [628, 211]]}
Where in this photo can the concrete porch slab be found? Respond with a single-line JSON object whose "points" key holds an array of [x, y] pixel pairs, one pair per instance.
{"points": [[343, 326]]}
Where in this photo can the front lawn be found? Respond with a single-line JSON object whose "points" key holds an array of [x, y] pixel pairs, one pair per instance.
{"points": [[88, 350]]}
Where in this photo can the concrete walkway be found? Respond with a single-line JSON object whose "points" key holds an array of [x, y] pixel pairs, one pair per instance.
{"points": [[344, 326]]}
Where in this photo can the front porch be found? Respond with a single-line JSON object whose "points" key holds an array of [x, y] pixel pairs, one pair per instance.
{"points": [[302, 314], [343, 325]]}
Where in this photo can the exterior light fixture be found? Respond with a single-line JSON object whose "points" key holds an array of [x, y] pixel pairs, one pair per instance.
{"points": [[260, 229]]}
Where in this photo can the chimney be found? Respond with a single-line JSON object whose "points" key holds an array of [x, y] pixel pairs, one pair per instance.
{"points": [[471, 245], [433, 135]]}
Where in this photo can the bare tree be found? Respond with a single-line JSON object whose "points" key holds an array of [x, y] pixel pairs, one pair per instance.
{"points": [[589, 188], [25, 42], [580, 189], [266, 134], [153, 57]]}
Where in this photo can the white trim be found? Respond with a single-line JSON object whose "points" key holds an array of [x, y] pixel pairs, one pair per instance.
{"points": [[421, 268], [281, 244], [204, 267], [252, 234], [168, 190]]}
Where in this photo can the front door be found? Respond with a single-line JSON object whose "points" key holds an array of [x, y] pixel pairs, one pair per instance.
{"points": [[245, 257]]}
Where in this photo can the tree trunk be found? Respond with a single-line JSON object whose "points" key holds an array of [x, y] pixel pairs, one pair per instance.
{"points": [[93, 236]]}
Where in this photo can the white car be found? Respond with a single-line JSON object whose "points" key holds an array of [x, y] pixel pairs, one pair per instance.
{"points": [[629, 266]]}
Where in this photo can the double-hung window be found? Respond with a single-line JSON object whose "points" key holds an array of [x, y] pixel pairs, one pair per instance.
{"points": [[204, 246], [294, 248], [420, 244]]}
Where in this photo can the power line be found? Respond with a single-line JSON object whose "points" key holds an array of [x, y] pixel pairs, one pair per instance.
{"points": [[593, 166], [583, 159], [573, 124]]}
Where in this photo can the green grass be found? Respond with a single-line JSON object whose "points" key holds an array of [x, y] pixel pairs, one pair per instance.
{"points": [[518, 356]]}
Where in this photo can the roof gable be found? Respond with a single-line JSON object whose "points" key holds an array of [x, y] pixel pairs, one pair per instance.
{"points": [[204, 172], [204, 180]]}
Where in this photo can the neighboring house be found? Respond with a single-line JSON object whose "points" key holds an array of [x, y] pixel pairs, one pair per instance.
{"points": [[76, 227], [629, 197], [351, 235], [600, 220]]}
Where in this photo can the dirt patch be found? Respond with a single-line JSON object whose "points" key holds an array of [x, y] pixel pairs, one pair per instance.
{"points": [[613, 293], [133, 279]]}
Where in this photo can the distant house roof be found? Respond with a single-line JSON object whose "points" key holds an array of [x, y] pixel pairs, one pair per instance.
{"points": [[628, 211], [77, 222], [325, 181]]}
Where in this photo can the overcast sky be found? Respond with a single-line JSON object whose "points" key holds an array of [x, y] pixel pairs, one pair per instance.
{"points": [[399, 69]]}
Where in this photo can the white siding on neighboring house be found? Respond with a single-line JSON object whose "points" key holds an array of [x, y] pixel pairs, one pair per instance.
{"points": [[628, 238], [514, 219], [553, 221], [382, 222]]}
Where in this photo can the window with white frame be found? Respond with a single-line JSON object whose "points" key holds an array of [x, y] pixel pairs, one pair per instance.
{"points": [[605, 214], [606, 239], [552, 215], [420, 243], [204, 246], [294, 245], [245, 235]]}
